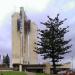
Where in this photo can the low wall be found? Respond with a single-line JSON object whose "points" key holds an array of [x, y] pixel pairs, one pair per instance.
{"points": [[6, 69], [47, 69]]}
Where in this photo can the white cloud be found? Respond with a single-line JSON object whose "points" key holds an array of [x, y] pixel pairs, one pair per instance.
{"points": [[33, 5], [68, 6], [7, 7]]}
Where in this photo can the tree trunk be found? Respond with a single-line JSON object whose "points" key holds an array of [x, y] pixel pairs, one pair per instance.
{"points": [[54, 67]]}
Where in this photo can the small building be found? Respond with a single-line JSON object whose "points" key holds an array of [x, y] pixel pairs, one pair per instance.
{"points": [[64, 67]]}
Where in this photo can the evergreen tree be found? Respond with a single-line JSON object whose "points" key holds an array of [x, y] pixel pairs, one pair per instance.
{"points": [[6, 60], [51, 42], [3, 59]]}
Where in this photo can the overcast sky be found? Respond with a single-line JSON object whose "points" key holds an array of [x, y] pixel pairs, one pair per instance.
{"points": [[37, 11]]}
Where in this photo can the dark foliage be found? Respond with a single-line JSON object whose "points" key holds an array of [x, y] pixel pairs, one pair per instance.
{"points": [[6, 60], [51, 42]]}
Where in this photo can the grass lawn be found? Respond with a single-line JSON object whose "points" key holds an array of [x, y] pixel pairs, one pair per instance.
{"points": [[12, 73]]}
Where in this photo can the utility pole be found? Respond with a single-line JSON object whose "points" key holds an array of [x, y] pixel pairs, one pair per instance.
{"points": [[72, 63]]}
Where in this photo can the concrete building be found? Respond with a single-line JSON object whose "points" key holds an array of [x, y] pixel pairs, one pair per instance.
{"points": [[24, 34], [60, 69]]}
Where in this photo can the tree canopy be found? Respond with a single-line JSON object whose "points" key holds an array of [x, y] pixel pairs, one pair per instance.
{"points": [[6, 60], [51, 42]]}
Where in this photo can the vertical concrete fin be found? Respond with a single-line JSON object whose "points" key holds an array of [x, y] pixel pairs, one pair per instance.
{"points": [[22, 13]]}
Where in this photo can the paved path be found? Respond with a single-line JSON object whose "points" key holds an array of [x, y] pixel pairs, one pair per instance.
{"points": [[30, 73]]}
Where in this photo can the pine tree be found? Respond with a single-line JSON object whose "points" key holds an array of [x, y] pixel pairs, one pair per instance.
{"points": [[6, 60], [51, 42]]}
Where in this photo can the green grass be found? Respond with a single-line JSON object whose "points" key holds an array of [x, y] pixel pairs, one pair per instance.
{"points": [[12, 73]]}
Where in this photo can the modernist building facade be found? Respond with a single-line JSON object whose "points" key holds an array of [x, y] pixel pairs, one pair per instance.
{"points": [[24, 35]]}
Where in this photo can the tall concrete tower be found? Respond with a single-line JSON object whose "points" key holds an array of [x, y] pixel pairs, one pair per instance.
{"points": [[24, 34]]}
